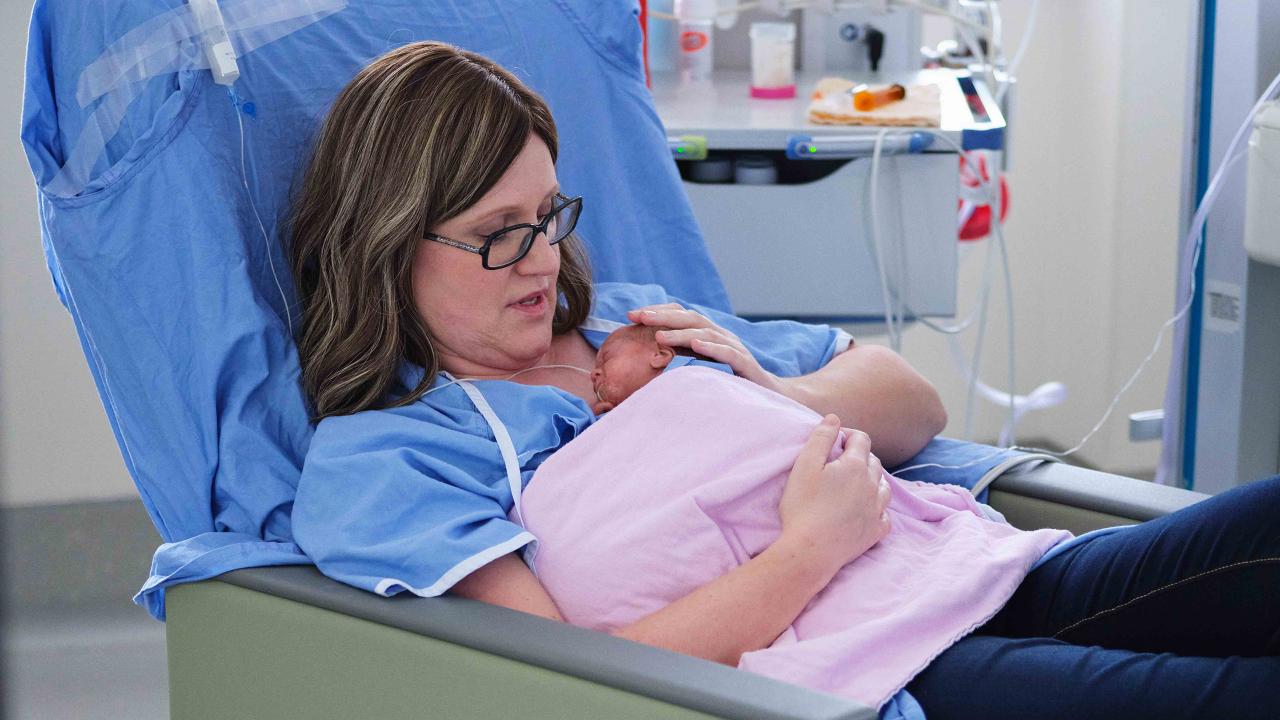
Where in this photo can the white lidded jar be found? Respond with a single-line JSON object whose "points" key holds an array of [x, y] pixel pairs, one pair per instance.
{"points": [[773, 72], [696, 20]]}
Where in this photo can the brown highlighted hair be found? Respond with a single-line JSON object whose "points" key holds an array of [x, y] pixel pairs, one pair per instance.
{"points": [[418, 136]]}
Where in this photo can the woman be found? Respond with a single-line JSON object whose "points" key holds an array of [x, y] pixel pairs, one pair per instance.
{"points": [[446, 346]]}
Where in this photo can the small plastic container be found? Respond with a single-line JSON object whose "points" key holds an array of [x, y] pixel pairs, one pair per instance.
{"points": [[696, 21], [773, 74]]}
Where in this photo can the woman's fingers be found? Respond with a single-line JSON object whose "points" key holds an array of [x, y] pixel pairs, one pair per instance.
{"points": [[649, 314], [857, 446], [720, 352], [669, 314], [659, 306], [813, 456], [686, 336], [686, 328]]}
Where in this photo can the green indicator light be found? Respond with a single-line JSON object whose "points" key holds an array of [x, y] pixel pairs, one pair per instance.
{"points": [[679, 151], [813, 149]]}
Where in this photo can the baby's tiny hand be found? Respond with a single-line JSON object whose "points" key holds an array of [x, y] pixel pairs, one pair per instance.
{"points": [[601, 407]]}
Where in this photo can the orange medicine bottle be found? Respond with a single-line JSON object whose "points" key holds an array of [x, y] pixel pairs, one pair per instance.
{"points": [[865, 99]]}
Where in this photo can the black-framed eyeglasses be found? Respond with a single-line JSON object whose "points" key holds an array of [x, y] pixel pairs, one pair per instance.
{"points": [[510, 244]]}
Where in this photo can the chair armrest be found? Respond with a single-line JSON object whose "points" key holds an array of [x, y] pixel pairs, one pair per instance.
{"points": [[596, 657], [1093, 491]]}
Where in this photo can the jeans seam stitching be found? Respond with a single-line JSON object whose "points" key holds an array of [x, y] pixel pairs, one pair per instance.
{"points": [[1170, 586]]}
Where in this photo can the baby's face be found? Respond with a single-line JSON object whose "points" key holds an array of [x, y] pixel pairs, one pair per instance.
{"points": [[625, 363]]}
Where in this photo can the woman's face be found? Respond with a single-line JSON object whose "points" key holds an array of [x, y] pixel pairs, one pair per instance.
{"points": [[471, 312]]}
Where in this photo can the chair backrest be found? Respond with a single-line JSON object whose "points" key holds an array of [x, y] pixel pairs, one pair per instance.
{"points": [[158, 254]]}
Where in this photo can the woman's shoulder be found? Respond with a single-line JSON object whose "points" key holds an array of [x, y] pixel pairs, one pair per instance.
{"points": [[613, 299], [446, 422], [435, 418]]}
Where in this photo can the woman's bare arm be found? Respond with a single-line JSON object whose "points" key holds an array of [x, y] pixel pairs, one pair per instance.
{"points": [[871, 388], [874, 390], [746, 609], [510, 583]]}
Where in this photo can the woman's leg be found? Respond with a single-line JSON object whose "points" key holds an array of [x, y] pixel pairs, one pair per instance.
{"points": [[1203, 581], [1018, 678]]}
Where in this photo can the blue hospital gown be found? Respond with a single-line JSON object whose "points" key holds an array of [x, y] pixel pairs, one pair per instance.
{"points": [[415, 498]]}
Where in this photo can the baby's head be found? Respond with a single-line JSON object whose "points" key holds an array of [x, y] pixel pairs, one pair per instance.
{"points": [[629, 358]]}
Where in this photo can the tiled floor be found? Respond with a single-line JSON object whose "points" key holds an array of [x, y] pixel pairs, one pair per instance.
{"points": [[84, 665]]}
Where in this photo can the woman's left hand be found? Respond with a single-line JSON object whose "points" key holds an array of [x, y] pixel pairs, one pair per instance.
{"points": [[697, 332]]}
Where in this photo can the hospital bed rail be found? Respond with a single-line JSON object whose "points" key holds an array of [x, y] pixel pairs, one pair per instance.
{"points": [[1072, 498], [288, 642]]}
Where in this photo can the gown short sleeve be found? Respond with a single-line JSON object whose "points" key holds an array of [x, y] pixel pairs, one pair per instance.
{"points": [[410, 498]]}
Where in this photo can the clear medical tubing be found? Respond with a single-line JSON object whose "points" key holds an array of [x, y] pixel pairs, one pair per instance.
{"points": [[895, 317], [1190, 259], [167, 43], [1011, 71], [248, 192], [1166, 473]]}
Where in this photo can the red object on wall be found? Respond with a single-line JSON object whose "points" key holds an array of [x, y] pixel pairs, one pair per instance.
{"points": [[644, 35], [975, 215]]}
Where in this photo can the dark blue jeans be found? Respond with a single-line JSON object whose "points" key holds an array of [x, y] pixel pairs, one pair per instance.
{"points": [[1178, 617]]}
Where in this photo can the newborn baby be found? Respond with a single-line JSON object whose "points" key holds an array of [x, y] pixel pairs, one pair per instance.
{"points": [[648, 505], [628, 359]]}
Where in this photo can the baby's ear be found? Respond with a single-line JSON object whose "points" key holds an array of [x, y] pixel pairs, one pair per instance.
{"points": [[661, 357]]}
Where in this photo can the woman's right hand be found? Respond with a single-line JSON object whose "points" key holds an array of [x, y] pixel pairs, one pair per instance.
{"points": [[835, 510]]}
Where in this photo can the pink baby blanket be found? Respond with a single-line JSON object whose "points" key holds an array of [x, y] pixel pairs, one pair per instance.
{"points": [[680, 483]]}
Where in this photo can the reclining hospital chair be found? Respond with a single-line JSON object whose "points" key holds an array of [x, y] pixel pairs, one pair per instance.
{"points": [[162, 194]]}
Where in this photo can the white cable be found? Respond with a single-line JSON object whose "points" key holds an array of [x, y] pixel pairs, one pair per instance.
{"points": [[895, 340], [1011, 70], [903, 266], [1194, 239], [997, 225], [994, 200], [995, 32], [975, 49], [935, 10], [961, 326], [971, 389], [266, 240], [895, 327], [1044, 396], [995, 47]]}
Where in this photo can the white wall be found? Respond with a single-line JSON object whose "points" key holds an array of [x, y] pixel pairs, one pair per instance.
{"points": [[55, 443], [1096, 184]]}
